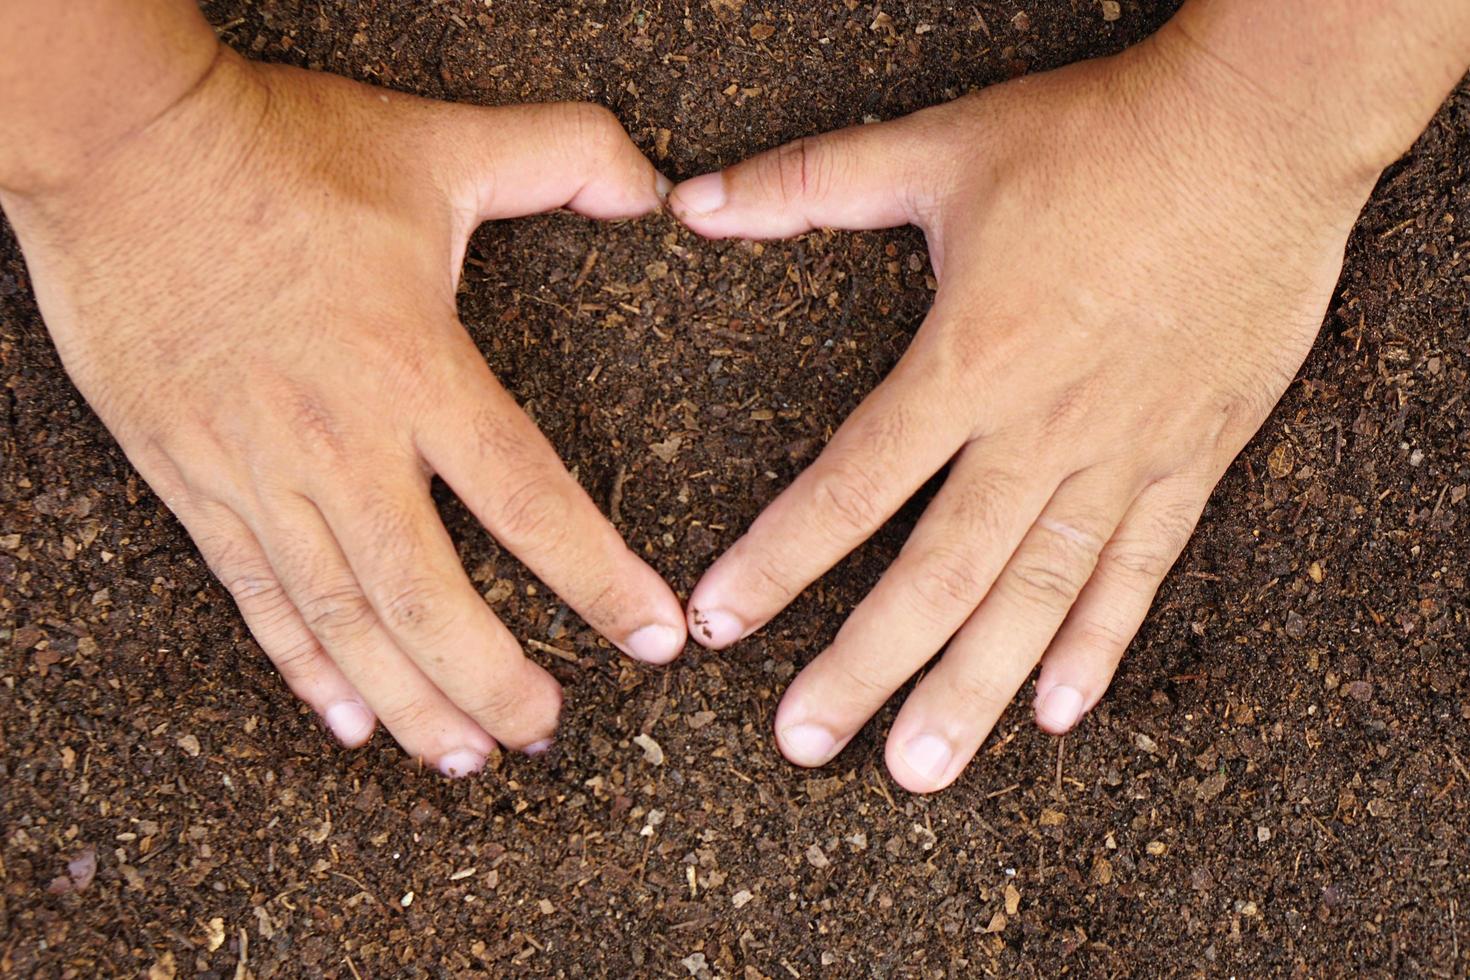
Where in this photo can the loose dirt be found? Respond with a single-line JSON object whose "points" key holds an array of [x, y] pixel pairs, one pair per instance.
{"points": [[1277, 783]]}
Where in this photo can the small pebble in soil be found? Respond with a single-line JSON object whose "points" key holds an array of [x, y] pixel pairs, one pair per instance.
{"points": [[653, 753]]}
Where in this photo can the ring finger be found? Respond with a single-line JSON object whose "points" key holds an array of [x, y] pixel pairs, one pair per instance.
{"points": [[413, 579], [317, 578]]}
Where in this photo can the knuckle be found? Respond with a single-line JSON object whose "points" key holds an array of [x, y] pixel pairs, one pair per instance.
{"points": [[592, 125], [1174, 525], [948, 582], [979, 694], [225, 554], [984, 504], [390, 523], [312, 422], [772, 572], [1139, 563], [607, 607], [414, 714], [338, 615], [535, 509], [494, 703], [533, 501], [954, 354], [1105, 638], [1145, 556], [847, 499], [496, 436], [257, 592], [1226, 422], [1052, 567], [889, 432], [168, 483], [418, 608], [801, 169], [1072, 405], [855, 684], [1042, 583], [298, 659], [392, 526], [253, 585]]}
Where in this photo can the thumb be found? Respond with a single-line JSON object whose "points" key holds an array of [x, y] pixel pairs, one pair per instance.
{"points": [[526, 159], [873, 176]]}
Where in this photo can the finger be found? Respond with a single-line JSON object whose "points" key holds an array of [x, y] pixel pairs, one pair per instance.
{"points": [[411, 575], [960, 545], [502, 467], [322, 586], [895, 440], [1079, 664], [238, 561], [526, 159], [954, 707], [875, 176]]}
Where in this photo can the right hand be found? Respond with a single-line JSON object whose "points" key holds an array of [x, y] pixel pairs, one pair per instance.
{"points": [[1124, 292], [256, 292]]}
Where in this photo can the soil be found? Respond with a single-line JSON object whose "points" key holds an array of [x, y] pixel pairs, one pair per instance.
{"points": [[1276, 785]]}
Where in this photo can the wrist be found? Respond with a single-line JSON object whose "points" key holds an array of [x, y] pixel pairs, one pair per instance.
{"points": [[78, 88], [132, 186], [1337, 88], [1269, 132]]}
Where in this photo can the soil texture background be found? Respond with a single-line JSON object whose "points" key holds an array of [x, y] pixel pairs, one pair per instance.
{"points": [[1276, 785]]}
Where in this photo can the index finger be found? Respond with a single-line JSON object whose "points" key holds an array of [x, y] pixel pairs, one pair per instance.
{"points": [[900, 435], [500, 464]]}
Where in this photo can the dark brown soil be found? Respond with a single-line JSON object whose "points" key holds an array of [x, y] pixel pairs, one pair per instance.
{"points": [[1277, 783]]}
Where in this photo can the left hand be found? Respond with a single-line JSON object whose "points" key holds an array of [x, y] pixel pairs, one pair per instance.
{"points": [[1134, 256]]}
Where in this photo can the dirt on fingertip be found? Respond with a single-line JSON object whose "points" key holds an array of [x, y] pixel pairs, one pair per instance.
{"points": [[1277, 783]]}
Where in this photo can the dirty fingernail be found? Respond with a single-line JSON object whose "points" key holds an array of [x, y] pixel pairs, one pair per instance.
{"points": [[538, 748], [350, 721], [928, 755], [461, 762], [656, 644], [807, 744], [1060, 709], [702, 195], [716, 628]]}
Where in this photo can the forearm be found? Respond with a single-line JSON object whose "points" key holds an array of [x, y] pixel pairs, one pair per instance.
{"points": [[1363, 75], [79, 77]]}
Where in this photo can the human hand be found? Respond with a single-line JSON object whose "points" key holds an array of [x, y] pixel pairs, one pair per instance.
{"points": [[256, 293], [1134, 256]]}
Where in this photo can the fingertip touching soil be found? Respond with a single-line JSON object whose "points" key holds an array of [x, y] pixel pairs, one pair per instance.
{"points": [[1277, 783]]}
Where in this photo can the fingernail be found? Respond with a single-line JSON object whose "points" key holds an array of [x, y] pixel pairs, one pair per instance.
{"points": [[461, 762], [807, 744], [716, 628], [350, 721], [537, 748], [928, 755], [702, 195], [1060, 709], [662, 185], [656, 644]]}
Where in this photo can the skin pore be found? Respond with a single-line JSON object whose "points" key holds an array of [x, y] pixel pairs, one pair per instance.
{"points": [[1134, 257], [249, 272]]}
